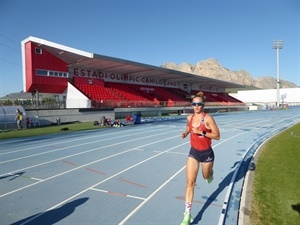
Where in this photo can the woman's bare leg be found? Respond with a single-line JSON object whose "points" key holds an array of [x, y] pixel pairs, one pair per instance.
{"points": [[207, 169], [192, 167]]}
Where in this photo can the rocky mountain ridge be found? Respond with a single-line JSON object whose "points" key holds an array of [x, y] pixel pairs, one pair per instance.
{"points": [[213, 69]]}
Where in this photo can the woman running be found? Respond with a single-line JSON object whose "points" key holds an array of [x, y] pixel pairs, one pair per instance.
{"points": [[202, 129]]}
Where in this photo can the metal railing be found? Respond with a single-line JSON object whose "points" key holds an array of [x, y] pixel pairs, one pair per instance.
{"points": [[125, 104]]}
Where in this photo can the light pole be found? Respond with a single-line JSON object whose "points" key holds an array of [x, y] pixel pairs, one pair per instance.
{"points": [[278, 45]]}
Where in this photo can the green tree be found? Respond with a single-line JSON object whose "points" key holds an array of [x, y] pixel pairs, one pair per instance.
{"points": [[7, 102], [17, 102]]}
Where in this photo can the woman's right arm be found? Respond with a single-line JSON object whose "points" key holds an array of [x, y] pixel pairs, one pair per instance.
{"points": [[187, 128]]}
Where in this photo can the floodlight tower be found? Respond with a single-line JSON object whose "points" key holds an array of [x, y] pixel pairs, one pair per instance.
{"points": [[278, 45]]}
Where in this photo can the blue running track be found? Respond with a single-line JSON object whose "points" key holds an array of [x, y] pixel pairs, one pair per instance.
{"points": [[129, 175]]}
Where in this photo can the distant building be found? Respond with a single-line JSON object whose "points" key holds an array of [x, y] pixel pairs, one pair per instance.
{"points": [[290, 96]]}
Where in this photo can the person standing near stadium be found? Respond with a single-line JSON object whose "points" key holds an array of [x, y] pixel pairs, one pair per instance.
{"points": [[202, 129], [19, 119]]}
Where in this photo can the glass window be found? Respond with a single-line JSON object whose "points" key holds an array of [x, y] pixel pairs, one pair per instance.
{"points": [[42, 72], [51, 73], [38, 51]]}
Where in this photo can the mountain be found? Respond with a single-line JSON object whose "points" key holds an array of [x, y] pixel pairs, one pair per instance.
{"points": [[212, 68]]}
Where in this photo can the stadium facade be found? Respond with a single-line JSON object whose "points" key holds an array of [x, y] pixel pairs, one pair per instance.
{"points": [[88, 80]]}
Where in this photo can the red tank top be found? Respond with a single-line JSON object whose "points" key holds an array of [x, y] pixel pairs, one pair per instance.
{"points": [[198, 142]]}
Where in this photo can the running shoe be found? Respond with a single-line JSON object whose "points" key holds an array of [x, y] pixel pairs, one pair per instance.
{"points": [[210, 179], [187, 219]]}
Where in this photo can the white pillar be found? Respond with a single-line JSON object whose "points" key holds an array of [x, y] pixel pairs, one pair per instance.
{"points": [[278, 82]]}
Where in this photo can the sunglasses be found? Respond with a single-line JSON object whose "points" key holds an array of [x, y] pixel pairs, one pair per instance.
{"points": [[198, 104]]}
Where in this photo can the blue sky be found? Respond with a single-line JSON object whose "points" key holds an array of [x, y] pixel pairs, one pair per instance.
{"points": [[239, 34]]}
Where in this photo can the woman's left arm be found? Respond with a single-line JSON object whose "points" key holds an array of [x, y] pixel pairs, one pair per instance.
{"points": [[211, 124]]}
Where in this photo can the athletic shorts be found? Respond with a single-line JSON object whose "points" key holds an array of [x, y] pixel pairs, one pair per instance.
{"points": [[202, 156]]}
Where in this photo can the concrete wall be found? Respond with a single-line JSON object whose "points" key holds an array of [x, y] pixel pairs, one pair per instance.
{"points": [[75, 99], [121, 113], [48, 117]]}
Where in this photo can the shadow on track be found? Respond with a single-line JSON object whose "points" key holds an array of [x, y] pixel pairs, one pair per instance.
{"points": [[13, 176], [224, 183], [52, 216]]}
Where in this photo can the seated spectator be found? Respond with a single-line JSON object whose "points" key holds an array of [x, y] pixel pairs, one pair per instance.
{"points": [[107, 122], [129, 118], [28, 122], [118, 123]]}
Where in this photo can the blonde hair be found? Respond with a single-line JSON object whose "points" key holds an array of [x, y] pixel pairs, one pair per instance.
{"points": [[200, 95]]}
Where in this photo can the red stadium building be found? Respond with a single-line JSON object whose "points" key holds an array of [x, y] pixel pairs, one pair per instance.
{"points": [[87, 80]]}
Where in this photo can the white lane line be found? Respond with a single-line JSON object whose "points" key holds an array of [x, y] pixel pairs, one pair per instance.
{"points": [[85, 165], [89, 137], [259, 122], [33, 178], [93, 186], [23, 176], [96, 160], [84, 152], [77, 139], [119, 194], [57, 138], [176, 153], [59, 149], [51, 144], [57, 175], [164, 184], [136, 197], [233, 178], [149, 197]]}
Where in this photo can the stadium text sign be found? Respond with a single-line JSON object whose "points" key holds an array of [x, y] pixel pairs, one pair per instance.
{"points": [[109, 76]]}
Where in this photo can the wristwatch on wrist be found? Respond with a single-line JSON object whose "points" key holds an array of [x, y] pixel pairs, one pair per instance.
{"points": [[203, 133]]}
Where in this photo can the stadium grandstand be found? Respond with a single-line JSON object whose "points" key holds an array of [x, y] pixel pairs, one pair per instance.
{"points": [[88, 80]]}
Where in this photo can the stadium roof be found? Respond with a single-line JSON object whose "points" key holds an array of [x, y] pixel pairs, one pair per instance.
{"points": [[92, 61]]}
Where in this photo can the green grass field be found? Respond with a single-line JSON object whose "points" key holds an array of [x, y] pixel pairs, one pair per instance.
{"points": [[276, 187], [48, 130]]}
